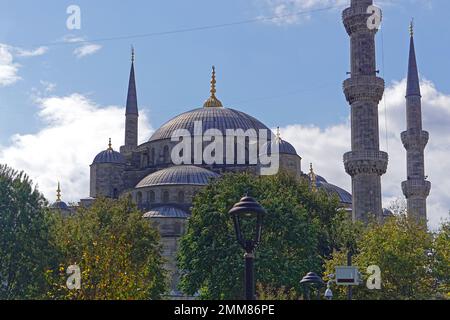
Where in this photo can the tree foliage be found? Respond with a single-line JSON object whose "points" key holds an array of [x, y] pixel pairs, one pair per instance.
{"points": [[299, 230], [25, 239], [410, 259], [117, 251]]}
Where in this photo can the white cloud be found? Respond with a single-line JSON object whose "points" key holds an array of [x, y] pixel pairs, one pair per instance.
{"points": [[74, 130], [31, 53], [8, 68], [325, 147], [86, 50]]}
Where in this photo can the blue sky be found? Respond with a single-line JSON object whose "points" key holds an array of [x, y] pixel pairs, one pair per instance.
{"points": [[287, 72], [275, 72]]}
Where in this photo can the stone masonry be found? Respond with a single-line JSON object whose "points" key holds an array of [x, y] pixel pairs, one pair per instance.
{"points": [[364, 90], [416, 188]]}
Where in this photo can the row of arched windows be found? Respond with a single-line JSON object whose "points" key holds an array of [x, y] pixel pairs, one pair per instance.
{"points": [[149, 157], [151, 197]]}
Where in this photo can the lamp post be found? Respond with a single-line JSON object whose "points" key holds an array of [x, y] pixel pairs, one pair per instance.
{"points": [[245, 213], [310, 280]]}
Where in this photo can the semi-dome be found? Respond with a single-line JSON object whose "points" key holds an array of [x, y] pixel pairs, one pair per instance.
{"points": [[284, 147], [212, 118], [178, 175], [166, 212], [344, 196], [109, 156]]}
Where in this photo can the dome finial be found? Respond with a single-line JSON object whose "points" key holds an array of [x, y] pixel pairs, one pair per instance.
{"points": [[411, 27], [278, 134], [58, 193], [312, 178], [110, 144], [132, 54], [213, 102]]}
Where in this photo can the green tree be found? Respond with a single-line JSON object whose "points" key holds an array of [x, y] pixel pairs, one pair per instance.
{"points": [[25, 240], [298, 231], [401, 248], [118, 253], [441, 262]]}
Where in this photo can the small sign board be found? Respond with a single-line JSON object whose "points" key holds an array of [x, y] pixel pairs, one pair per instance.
{"points": [[347, 276]]}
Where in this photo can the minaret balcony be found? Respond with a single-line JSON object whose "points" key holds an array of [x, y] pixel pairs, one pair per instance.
{"points": [[366, 162], [364, 88], [415, 139], [416, 188]]}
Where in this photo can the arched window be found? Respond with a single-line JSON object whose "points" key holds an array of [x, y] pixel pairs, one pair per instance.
{"points": [[145, 160], [181, 197], [152, 157], [166, 154], [165, 198], [139, 199], [151, 196]]}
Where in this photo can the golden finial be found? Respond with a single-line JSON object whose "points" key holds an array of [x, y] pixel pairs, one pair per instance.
{"points": [[411, 27], [58, 193], [132, 54], [213, 102], [312, 178], [110, 145]]}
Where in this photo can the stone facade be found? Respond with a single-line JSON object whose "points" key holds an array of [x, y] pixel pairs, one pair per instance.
{"points": [[416, 188], [364, 90]]}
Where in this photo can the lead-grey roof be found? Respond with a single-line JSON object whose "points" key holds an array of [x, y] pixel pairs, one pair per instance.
{"points": [[284, 147], [331, 189], [178, 175], [166, 212], [212, 118], [109, 156]]}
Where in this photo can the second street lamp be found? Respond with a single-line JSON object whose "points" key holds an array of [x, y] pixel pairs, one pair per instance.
{"points": [[248, 217]]}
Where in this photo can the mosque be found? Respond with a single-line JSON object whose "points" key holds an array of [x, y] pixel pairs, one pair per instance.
{"points": [[164, 190]]}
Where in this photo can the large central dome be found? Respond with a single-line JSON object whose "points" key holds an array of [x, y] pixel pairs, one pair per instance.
{"points": [[212, 118]]}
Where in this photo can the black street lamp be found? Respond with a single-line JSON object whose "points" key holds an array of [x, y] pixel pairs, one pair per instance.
{"points": [[248, 217], [312, 280]]}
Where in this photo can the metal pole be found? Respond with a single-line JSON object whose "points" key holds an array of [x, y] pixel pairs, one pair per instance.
{"points": [[349, 288], [249, 277]]}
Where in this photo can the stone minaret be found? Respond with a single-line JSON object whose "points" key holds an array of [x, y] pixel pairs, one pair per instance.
{"points": [[131, 114], [416, 188], [364, 90]]}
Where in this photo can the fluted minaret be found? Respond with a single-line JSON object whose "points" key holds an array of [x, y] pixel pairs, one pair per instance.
{"points": [[416, 188], [131, 114], [364, 90]]}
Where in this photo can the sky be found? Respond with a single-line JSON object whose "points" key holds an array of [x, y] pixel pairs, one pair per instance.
{"points": [[281, 61]]}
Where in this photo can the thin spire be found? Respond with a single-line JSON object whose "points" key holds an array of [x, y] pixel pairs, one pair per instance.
{"points": [[413, 85], [278, 134], [58, 193], [213, 102], [132, 107], [312, 178], [411, 28], [110, 144]]}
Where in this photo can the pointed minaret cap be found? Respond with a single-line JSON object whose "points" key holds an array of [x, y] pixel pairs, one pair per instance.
{"points": [[132, 107], [58, 193], [212, 101], [413, 84]]}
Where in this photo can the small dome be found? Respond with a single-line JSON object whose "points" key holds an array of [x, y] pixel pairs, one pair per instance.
{"points": [[60, 205], [166, 212], [178, 175], [109, 156], [284, 147], [331, 189]]}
